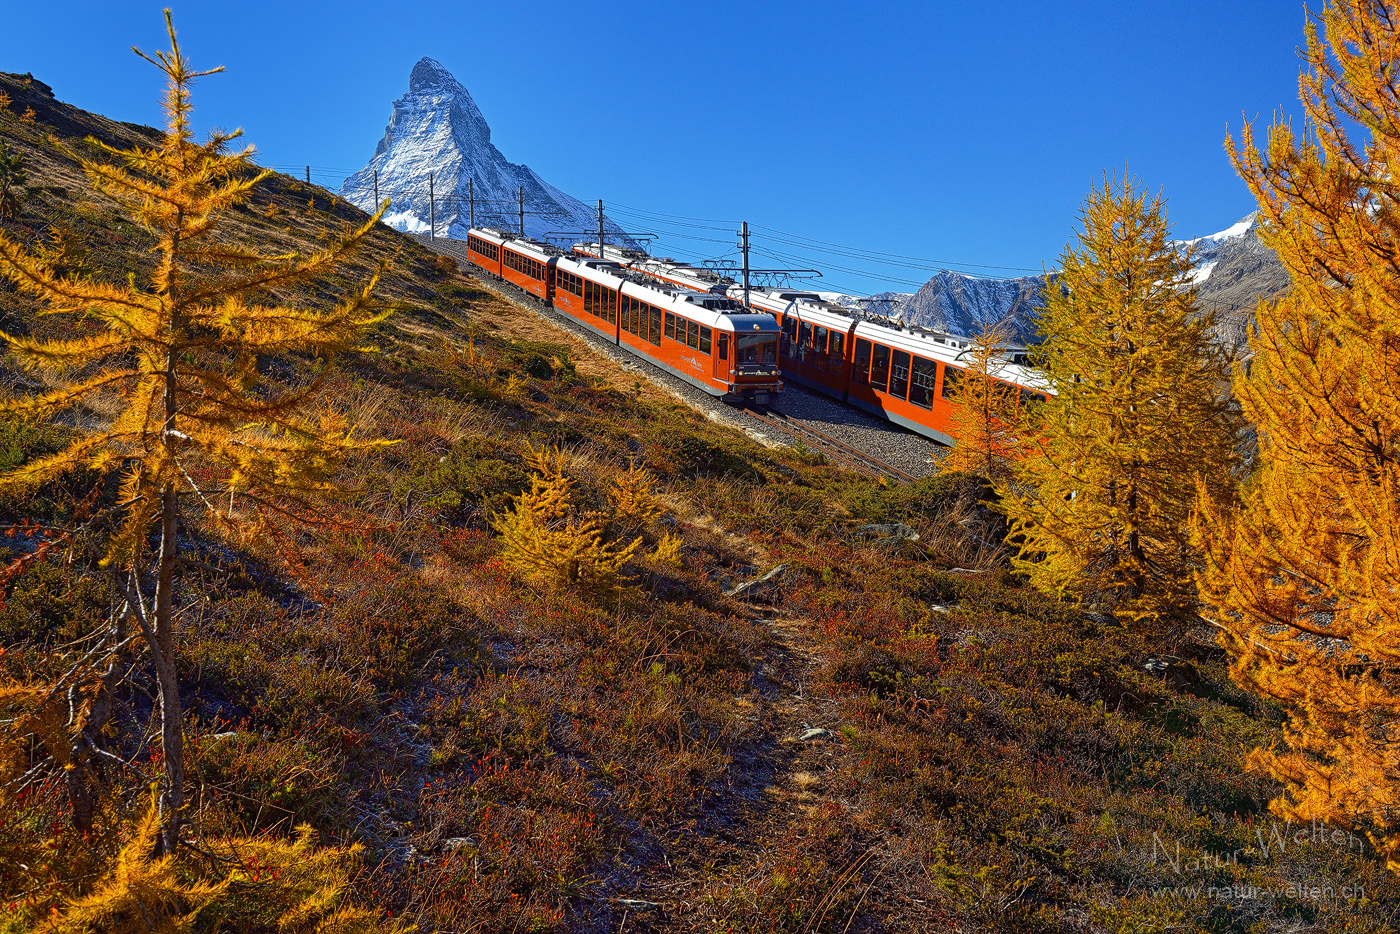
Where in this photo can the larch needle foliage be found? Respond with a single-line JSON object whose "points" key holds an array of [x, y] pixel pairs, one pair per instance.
{"points": [[291, 887], [546, 540], [1305, 578], [1101, 500], [985, 412], [177, 361]]}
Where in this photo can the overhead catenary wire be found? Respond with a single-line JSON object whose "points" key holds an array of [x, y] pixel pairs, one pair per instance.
{"points": [[823, 246], [799, 249]]}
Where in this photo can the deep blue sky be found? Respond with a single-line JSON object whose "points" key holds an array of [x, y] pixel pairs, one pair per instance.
{"points": [[959, 132]]}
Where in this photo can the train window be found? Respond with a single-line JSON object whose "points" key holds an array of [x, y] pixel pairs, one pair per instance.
{"points": [[704, 339], [819, 335], [899, 374], [609, 305], [589, 305], [654, 332], [925, 376], [861, 372], [952, 379], [880, 368], [670, 325], [692, 334], [637, 313], [789, 336], [755, 350], [724, 346], [1031, 397], [804, 340], [836, 352]]}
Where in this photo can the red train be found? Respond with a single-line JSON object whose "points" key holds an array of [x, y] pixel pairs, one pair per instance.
{"points": [[691, 321], [901, 372], [700, 335]]}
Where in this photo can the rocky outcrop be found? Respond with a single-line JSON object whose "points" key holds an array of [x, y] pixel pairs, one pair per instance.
{"points": [[965, 305], [1237, 272], [436, 128], [1233, 270]]}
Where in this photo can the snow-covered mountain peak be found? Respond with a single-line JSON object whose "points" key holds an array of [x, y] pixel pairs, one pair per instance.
{"points": [[1207, 251], [1238, 229], [437, 140]]}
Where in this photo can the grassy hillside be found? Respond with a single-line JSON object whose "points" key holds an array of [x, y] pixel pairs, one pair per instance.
{"points": [[886, 736]]}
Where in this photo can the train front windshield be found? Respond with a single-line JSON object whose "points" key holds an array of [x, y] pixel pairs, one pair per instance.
{"points": [[757, 349]]}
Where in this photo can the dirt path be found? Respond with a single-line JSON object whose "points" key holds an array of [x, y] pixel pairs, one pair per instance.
{"points": [[778, 779]]}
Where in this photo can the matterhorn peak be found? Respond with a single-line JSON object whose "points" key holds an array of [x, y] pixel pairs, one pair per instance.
{"points": [[430, 75], [437, 132]]}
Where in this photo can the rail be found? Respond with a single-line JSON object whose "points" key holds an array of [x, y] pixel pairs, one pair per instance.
{"points": [[837, 450]]}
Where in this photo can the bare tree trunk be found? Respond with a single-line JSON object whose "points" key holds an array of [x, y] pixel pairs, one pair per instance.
{"points": [[172, 715], [172, 719]]}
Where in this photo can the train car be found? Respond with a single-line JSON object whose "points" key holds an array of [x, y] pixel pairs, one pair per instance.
{"points": [[701, 337], [529, 265], [484, 248], [814, 350], [903, 373]]}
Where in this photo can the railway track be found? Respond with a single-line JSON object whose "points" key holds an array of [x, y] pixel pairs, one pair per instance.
{"points": [[837, 450], [810, 437]]}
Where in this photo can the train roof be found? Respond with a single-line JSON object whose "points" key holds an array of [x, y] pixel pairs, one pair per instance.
{"points": [[539, 248], [747, 321], [689, 275], [493, 234]]}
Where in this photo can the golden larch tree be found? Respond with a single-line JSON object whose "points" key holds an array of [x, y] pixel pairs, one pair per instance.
{"points": [[985, 411], [177, 361], [546, 540], [1304, 579], [1135, 421]]}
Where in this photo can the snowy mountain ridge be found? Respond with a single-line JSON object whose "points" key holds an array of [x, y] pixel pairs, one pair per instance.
{"points": [[1208, 248], [436, 129], [1233, 268]]}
